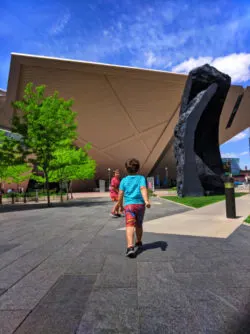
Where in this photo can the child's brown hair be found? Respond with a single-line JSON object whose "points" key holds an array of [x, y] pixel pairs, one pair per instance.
{"points": [[132, 166]]}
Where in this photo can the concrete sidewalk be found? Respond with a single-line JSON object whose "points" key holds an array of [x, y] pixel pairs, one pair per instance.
{"points": [[209, 221]]}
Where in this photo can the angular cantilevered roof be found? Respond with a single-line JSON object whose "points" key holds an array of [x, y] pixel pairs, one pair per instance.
{"points": [[122, 111]]}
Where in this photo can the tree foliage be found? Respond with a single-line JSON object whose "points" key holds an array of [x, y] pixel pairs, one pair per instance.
{"points": [[18, 173], [46, 124], [10, 156], [70, 164]]}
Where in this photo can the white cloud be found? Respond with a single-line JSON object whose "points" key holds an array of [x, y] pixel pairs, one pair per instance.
{"points": [[188, 65], [158, 36], [150, 58], [238, 137], [235, 65], [161, 35], [60, 24], [244, 153], [228, 155]]}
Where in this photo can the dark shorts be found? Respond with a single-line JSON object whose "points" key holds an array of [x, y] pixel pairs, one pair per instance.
{"points": [[134, 214]]}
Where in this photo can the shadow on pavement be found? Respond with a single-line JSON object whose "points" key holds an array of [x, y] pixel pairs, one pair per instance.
{"points": [[242, 325], [37, 206], [153, 245]]}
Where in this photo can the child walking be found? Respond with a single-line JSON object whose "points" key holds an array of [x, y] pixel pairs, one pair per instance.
{"points": [[133, 190], [114, 189]]}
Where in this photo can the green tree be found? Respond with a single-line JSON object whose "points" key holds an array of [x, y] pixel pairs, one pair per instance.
{"points": [[18, 174], [46, 124], [10, 155], [71, 164]]}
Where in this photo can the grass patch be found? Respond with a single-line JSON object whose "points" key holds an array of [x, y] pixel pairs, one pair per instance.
{"points": [[151, 193], [247, 220], [199, 202]]}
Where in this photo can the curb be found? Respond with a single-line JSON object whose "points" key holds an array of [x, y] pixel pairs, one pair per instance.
{"points": [[168, 200]]}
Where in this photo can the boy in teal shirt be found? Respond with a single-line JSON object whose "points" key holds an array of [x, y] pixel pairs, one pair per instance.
{"points": [[133, 190]]}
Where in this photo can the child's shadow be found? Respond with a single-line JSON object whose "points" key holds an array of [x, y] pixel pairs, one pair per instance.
{"points": [[153, 245]]}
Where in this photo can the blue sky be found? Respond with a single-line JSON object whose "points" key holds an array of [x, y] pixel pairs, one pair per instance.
{"points": [[168, 35]]}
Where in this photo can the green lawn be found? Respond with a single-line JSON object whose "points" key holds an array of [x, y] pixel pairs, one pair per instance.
{"points": [[198, 202], [247, 220]]}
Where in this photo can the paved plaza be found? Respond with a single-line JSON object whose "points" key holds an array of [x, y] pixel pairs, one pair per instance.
{"points": [[63, 270]]}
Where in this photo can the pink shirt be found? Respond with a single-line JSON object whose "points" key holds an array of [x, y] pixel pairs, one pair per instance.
{"points": [[115, 182]]}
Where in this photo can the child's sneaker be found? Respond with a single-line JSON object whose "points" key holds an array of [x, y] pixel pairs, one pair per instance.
{"points": [[130, 252], [138, 245], [115, 215]]}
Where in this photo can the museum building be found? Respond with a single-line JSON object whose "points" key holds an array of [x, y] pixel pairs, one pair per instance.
{"points": [[122, 111]]}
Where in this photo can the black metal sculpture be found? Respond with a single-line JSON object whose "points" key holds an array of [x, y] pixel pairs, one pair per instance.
{"points": [[198, 159]]}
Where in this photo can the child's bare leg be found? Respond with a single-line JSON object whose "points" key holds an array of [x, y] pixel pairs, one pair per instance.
{"points": [[113, 210], [139, 232], [130, 236]]}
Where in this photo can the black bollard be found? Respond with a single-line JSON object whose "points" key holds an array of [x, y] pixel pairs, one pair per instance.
{"points": [[230, 198]]}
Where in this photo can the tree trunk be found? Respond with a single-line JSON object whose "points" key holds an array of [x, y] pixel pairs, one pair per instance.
{"points": [[24, 197], [67, 190], [47, 188], [17, 193], [71, 190], [61, 195], [1, 195], [37, 196], [12, 198]]}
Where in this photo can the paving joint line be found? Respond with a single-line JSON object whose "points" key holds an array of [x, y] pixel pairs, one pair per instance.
{"points": [[36, 266]]}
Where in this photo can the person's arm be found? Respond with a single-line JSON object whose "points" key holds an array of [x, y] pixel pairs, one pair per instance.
{"points": [[120, 197], [144, 192]]}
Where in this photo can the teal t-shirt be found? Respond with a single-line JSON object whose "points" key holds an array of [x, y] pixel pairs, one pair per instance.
{"points": [[131, 186]]}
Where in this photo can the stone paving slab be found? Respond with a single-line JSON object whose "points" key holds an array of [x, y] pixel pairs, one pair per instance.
{"points": [[111, 311], [117, 272], [217, 317], [170, 319], [46, 246], [21, 298], [88, 262], [69, 275], [10, 320], [50, 319], [6, 248]]}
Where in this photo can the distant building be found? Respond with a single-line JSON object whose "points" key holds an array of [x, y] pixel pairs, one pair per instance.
{"points": [[231, 166]]}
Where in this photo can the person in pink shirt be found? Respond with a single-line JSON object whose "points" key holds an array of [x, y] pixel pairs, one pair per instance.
{"points": [[114, 190]]}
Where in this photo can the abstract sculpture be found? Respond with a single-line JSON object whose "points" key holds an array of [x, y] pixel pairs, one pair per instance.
{"points": [[198, 159]]}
